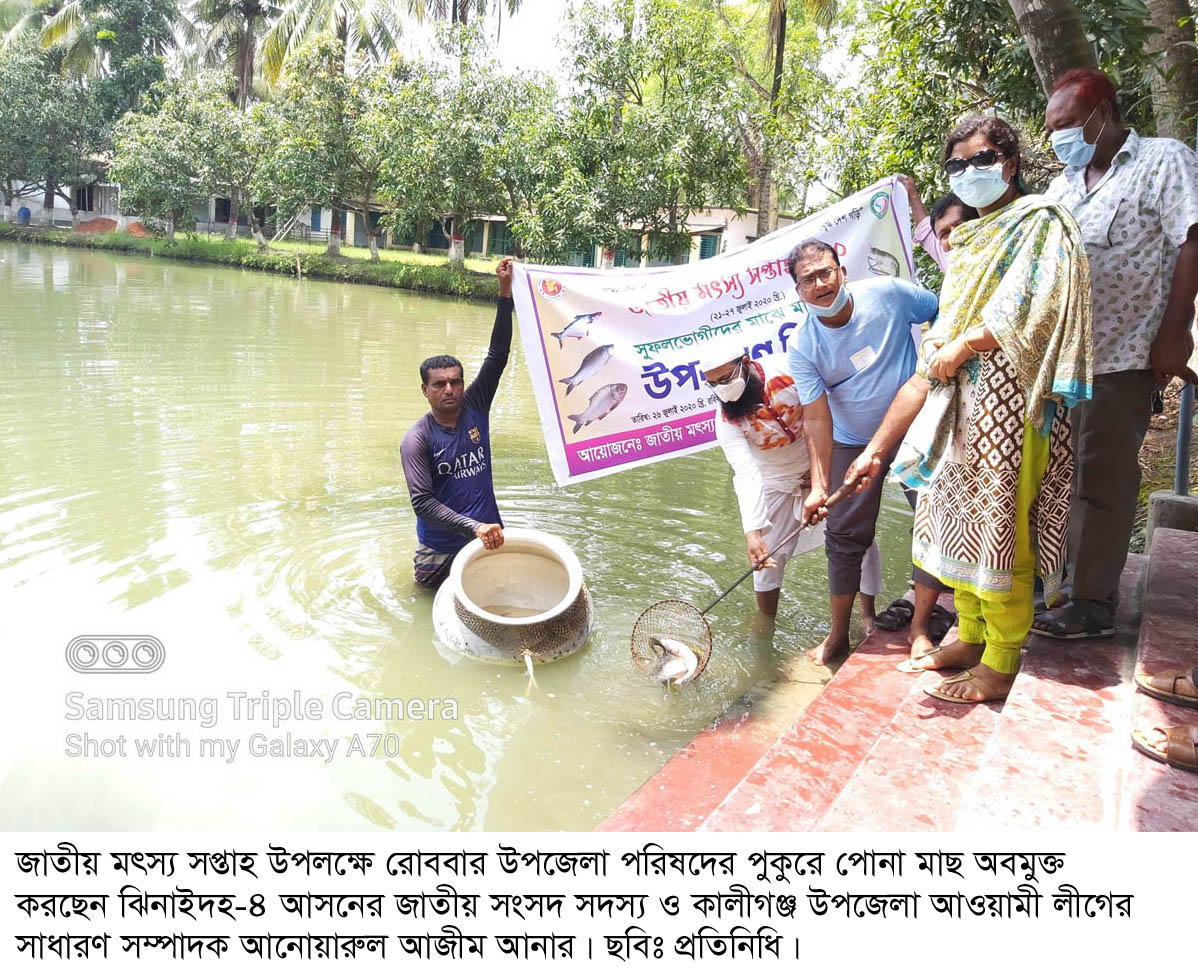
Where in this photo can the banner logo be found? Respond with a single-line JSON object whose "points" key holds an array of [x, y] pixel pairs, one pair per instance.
{"points": [[550, 289]]}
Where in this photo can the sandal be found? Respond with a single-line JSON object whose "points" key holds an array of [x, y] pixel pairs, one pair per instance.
{"points": [[1163, 686], [897, 616], [965, 676], [939, 623], [1181, 746], [1071, 623]]}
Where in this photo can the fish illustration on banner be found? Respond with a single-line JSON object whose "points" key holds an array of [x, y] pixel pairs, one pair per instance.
{"points": [[630, 339]]}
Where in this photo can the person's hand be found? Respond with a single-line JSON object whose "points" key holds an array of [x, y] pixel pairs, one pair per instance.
{"points": [[813, 505], [918, 211], [759, 553], [503, 270], [864, 469], [491, 534], [930, 345], [1169, 356], [947, 361]]}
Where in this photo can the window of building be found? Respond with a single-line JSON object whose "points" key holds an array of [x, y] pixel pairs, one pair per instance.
{"points": [[709, 245], [222, 210], [85, 198]]}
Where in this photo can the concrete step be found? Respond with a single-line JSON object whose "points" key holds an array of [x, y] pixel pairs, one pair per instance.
{"points": [[1155, 796], [1057, 755], [794, 784], [874, 752]]}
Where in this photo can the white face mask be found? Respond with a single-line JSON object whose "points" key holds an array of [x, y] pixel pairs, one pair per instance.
{"points": [[730, 391], [834, 308]]}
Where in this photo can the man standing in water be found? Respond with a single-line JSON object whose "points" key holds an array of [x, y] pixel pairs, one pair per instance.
{"points": [[848, 361], [447, 454], [759, 425]]}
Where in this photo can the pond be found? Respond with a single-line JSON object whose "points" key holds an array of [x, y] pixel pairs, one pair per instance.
{"points": [[211, 457]]}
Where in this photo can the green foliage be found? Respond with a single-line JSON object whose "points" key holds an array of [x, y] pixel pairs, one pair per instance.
{"points": [[928, 63], [311, 160], [164, 156], [21, 121], [654, 124]]}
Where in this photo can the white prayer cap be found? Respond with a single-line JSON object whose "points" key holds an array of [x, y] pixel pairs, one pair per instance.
{"points": [[721, 351]]}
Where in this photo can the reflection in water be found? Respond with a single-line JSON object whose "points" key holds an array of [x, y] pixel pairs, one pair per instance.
{"points": [[212, 456]]}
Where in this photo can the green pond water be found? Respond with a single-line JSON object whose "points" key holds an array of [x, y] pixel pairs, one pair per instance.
{"points": [[211, 457]]}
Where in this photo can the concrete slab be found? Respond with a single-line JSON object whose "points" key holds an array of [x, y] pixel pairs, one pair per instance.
{"points": [[1167, 510], [921, 769], [1055, 760], [797, 780], [1155, 796]]}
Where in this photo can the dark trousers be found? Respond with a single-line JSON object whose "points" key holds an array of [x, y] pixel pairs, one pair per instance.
{"points": [[1108, 431], [851, 522]]}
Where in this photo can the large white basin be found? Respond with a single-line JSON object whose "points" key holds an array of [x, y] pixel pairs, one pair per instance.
{"points": [[527, 598]]}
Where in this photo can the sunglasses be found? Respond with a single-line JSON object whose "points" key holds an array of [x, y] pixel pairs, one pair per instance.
{"points": [[982, 160]]}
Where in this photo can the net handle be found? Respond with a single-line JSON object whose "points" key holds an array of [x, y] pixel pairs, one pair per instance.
{"points": [[831, 501]]}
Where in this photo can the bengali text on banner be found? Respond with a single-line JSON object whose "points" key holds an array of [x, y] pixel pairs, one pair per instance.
{"points": [[614, 354]]}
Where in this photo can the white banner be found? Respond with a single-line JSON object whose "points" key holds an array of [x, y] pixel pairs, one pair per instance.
{"points": [[614, 354]]}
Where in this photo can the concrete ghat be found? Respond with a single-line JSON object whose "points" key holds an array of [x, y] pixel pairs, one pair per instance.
{"points": [[1056, 756], [873, 752], [1156, 796]]}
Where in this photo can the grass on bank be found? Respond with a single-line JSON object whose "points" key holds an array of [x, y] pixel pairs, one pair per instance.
{"points": [[396, 268]]}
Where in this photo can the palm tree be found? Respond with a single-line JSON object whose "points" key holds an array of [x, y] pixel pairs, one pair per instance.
{"points": [[368, 27], [458, 11], [234, 29], [233, 33], [823, 12], [60, 26]]}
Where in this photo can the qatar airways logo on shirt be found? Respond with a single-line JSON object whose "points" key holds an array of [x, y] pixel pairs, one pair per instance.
{"points": [[466, 465]]}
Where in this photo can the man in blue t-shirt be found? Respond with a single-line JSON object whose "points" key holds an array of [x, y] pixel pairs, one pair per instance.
{"points": [[447, 454], [848, 360]]}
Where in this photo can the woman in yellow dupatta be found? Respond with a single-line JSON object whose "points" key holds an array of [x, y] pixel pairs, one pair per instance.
{"points": [[986, 415]]}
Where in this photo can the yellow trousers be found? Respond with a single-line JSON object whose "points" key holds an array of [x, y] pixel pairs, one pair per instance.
{"points": [[1003, 626]]}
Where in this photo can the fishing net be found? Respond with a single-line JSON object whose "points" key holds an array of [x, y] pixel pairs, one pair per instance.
{"points": [[545, 640], [675, 619]]}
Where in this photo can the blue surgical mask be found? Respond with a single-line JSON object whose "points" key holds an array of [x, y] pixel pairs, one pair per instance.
{"points": [[834, 308], [1070, 144], [979, 187]]}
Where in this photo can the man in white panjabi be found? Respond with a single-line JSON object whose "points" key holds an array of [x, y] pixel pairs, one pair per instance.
{"points": [[759, 425]]}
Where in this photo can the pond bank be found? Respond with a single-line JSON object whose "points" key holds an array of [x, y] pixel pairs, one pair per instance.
{"points": [[395, 273]]}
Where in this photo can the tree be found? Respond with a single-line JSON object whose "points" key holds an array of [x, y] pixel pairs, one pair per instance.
{"points": [[442, 167], [1053, 32], [409, 186], [162, 159], [366, 28], [654, 120], [458, 11], [241, 143], [363, 27], [781, 87], [232, 33], [21, 120], [312, 161], [1174, 69]]}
